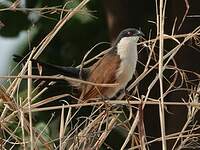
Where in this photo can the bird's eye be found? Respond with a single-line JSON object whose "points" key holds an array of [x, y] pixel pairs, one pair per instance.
{"points": [[129, 33]]}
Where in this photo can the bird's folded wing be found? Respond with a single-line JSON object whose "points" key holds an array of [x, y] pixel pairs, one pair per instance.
{"points": [[102, 72]]}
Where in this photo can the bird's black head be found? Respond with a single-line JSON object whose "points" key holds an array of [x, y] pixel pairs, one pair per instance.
{"points": [[130, 32]]}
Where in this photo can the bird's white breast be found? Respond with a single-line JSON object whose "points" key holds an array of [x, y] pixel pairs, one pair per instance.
{"points": [[127, 50]]}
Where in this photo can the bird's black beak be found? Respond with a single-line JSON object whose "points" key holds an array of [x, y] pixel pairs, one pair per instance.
{"points": [[139, 33]]}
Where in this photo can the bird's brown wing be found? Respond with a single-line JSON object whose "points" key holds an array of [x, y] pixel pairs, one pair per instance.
{"points": [[102, 72]]}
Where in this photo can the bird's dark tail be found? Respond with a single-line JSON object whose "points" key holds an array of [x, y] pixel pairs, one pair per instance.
{"points": [[51, 69]]}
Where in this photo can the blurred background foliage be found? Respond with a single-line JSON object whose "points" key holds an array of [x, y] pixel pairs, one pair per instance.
{"points": [[100, 20], [81, 33]]}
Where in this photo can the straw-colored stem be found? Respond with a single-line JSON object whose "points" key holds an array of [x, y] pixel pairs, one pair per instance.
{"points": [[160, 71], [29, 91]]}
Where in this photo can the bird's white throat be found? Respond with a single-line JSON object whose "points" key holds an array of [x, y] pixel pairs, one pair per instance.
{"points": [[127, 50]]}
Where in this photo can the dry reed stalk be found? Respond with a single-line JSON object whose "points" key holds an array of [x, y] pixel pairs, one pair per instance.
{"points": [[161, 23], [29, 104]]}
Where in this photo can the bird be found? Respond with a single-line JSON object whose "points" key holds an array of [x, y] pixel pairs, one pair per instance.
{"points": [[116, 66]]}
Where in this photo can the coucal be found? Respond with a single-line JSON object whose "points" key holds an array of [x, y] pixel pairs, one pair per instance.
{"points": [[116, 66]]}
